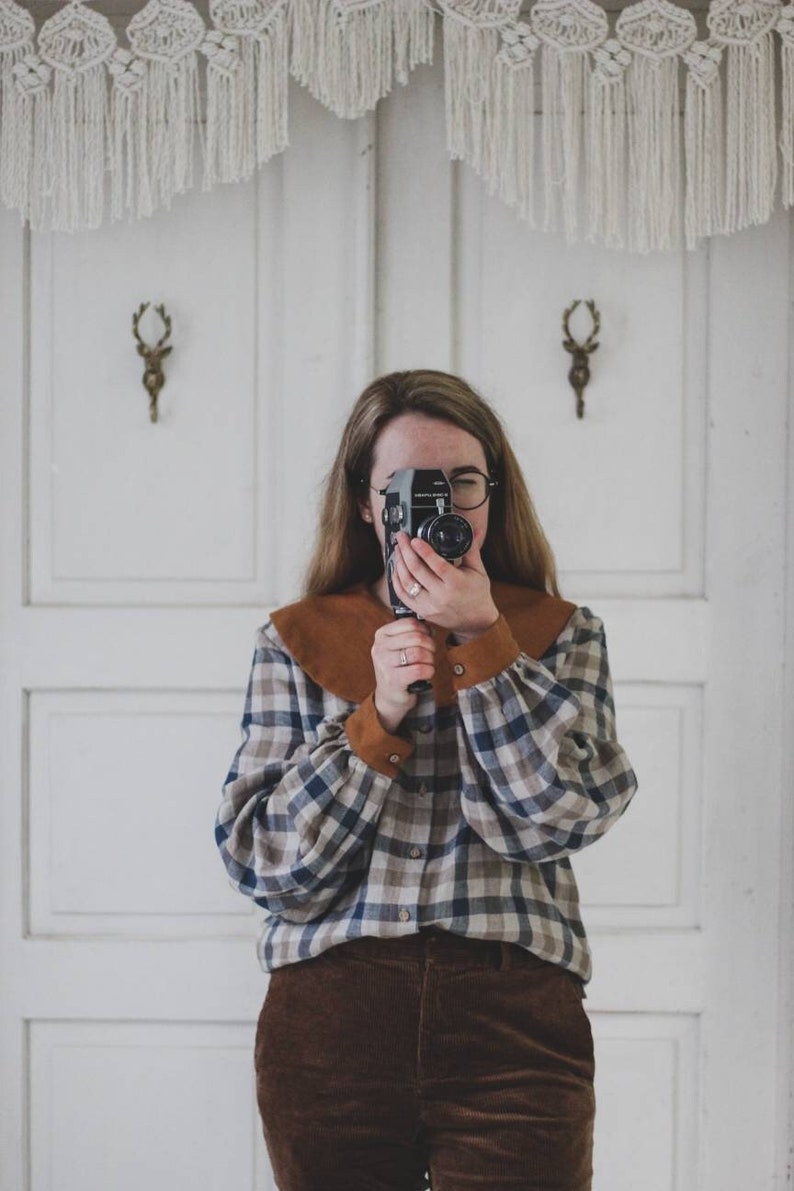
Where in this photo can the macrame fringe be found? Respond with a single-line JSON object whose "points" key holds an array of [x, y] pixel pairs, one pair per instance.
{"points": [[129, 158], [247, 78], [751, 161], [85, 124], [28, 171], [509, 148], [346, 52], [787, 123], [607, 183], [171, 109], [703, 144], [469, 52], [563, 76], [78, 121], [14, 141], [271, 90], [654, 150]]}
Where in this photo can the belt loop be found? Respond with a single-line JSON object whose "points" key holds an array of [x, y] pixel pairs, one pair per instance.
{"points": [[506, 957]]}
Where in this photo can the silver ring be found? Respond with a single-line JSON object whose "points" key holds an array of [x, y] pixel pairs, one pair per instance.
{"points": [[403, 658], [414, 590]]}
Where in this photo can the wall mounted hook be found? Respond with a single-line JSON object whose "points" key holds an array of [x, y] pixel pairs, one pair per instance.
{"points": [[579, 373], [153, 375]]}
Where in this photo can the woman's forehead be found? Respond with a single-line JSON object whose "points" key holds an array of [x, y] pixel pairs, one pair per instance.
{"points": [[425, 437]]}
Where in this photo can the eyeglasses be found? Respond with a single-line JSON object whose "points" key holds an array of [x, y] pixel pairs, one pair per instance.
{"points": [[470, 489]]}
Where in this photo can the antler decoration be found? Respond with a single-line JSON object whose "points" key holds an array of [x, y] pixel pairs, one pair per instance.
{"points": [[579, 374], [153, 377]]}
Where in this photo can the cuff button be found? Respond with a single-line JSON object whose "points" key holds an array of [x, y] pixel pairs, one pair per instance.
{"points": [[395, 758], [459, 668]]}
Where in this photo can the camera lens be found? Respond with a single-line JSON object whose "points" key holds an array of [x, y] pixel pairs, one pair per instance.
{"points": [[449, 535]]}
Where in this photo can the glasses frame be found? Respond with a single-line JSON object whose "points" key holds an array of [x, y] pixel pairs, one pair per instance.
{"points": [[491, 483]]}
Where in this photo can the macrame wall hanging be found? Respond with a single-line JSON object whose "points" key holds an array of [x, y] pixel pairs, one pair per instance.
{"points": [[647, 137]]}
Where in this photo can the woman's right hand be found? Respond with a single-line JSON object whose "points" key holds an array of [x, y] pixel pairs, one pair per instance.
{"points": [[393, 700]]}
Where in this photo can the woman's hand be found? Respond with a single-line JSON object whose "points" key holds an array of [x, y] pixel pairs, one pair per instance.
{"points": [[402, 638], [456, 597]]}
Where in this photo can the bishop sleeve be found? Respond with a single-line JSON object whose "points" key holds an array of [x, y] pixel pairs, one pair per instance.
{"points": [[300, 807], [543, 774]]}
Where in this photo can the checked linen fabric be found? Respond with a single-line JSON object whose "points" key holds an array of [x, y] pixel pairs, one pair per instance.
{"points": [[474, 834]]}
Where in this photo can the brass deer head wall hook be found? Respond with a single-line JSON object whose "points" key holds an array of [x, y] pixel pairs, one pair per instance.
{"points": [[153, 376], [579, 374]]}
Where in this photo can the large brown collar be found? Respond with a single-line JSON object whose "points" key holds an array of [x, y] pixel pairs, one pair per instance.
{"points": [[330, 636]]}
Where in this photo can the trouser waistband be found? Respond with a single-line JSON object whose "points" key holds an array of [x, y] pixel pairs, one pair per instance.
{"points": [[442, 946]]}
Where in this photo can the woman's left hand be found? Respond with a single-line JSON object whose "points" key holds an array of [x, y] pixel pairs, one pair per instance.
{"points": [[457, 598]]}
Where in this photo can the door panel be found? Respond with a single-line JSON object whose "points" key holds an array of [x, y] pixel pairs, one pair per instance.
{"points": [[141, 558]]}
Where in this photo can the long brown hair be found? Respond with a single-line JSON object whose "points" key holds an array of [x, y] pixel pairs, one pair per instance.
{"points": [[515, 550]]}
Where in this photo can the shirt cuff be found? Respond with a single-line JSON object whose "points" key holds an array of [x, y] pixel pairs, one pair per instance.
{"points": [[484, 657], [370, 741]]}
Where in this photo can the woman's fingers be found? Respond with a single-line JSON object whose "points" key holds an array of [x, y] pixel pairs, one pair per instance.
{"points": [[403, 638], [407, 630], [426, 568]]}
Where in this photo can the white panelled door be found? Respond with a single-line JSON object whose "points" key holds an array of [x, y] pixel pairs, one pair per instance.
{"points": [[139, 559]]}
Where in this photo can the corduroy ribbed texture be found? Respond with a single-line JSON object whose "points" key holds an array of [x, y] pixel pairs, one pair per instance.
{"points": [[383, 1059]]}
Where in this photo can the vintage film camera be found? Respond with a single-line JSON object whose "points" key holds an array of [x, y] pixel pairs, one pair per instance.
{"points": [[419, 501]]}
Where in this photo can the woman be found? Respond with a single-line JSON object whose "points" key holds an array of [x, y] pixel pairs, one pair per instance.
{"points": [[426, 953]]}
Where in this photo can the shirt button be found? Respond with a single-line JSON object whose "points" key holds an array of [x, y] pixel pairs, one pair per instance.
{"points": [[404, 915], [395, 758], [459, 668], [423, 788], [415, 852], [425, 727]]}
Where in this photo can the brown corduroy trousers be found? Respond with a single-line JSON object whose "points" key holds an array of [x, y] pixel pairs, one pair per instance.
{"points": [[381, 1062]]}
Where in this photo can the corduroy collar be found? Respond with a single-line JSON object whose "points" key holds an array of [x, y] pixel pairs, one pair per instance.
{"points": [[330, 636]]}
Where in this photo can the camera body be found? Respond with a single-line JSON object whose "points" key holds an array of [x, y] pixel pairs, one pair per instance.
{"points": [[419, 501]]}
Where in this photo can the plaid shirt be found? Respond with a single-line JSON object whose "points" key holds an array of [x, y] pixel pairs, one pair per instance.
{"points": [[468, 821]]}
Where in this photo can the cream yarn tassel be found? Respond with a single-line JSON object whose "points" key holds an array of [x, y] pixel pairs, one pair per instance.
{"points": [[563, 89], [247, 76], [508, 165], [76, 43], [785, 27], [654, 153], [705, 175], [568, 29], [17, 31], [607, 181], [346, 51], [744, 29], [469, 52], [129, 158], [28, 171]]}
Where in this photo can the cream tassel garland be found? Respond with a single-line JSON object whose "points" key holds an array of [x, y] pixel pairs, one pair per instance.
{"points": [[469, 52], [705, 176], [247, 76], [129, 164], [656, 32], [654, 149], [607, 181], [567, 28], [167, 34], [17, 31], [344, 51], [563, 89], [508, 165], [744, 29], [77, 43], [30, 165], [785, 27]]}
